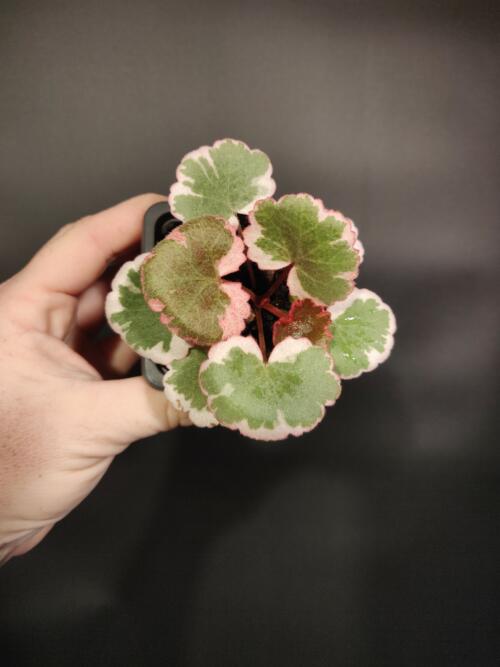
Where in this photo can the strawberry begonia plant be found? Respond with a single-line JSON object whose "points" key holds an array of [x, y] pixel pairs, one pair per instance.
{"points": [[250, 303]]}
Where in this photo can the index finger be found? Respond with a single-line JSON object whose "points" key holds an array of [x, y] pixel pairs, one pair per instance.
{"points": [[79, 253]]}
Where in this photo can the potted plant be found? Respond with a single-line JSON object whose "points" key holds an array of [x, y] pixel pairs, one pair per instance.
{"points": [[249, 304]]}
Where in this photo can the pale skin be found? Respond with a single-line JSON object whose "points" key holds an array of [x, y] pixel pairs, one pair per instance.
{"points": [[62, 421]]}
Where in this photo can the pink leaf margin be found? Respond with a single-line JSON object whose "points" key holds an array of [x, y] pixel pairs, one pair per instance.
{"points": [[232, 260], [233, 319], [286, 351], [265, 182]]}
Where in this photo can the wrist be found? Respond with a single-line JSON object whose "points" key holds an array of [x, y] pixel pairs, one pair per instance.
{"points": [[22, 544]]}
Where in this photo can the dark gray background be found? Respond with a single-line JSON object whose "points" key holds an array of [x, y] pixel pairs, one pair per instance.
{"points": [[375, 540]]}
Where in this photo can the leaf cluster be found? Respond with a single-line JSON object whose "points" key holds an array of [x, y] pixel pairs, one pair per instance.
{"points": [[251, 302]]}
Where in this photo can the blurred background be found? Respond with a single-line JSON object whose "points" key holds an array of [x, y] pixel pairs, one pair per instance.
{"points": [[374, 540]]}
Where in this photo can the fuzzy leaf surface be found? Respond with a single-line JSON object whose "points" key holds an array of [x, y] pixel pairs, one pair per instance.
{"points": [[321, 245], [269, 401], [305, 319], [128, 315], [223, 179], [182, 280], [363, 333], [182, 388]]}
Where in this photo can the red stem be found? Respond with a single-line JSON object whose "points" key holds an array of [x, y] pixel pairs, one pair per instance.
{"points": [[260, 332], [273, 309], [262, 302], [251, 273], [283, 275], [253, 296]]}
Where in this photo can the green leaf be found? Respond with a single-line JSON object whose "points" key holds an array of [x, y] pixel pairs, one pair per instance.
{"points": [[305, 319], [363, 333], [129, 315], [322, 245], [269, 401], [182, 280], [223, 179], [182, 388]]}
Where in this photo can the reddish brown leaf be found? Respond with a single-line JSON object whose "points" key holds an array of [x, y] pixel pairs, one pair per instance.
{"points": [[305, 319]]}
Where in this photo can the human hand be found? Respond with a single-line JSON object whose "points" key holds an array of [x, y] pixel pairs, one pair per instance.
{"points": [[61, 423]]}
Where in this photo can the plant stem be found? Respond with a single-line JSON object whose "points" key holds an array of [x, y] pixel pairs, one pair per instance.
{"points": [[251, 274], [278, 312], [253, 296], [283, 275], [260, 332], [262, 302]]}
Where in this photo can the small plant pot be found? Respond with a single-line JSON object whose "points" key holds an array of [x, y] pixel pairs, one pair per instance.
{"points": [[158, 222]]}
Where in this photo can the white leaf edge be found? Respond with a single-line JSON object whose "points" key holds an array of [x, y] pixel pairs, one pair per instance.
{"points": [[201, 418], [182, 186], [178, 347], [253, 232], [375, 358], [287, 350]]}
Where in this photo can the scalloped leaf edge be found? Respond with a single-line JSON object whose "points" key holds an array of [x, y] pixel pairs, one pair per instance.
{"points": [[254, 231], [233, 320], [201, 418], [375, 358], [178, 347], [287, 351], [180, 187]]}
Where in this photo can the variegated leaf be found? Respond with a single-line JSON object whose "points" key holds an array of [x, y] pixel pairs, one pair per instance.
{"points": [[269, 400], [182, 388], [223, 180], [321, 245], [363, 333], [128, 315], [182, 280]]}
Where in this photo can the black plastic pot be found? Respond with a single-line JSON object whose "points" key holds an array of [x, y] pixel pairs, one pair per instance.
{"points": [[158, 222]]}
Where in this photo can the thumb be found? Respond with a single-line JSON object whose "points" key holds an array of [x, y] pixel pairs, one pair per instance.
{"points": [[130, 409]]}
